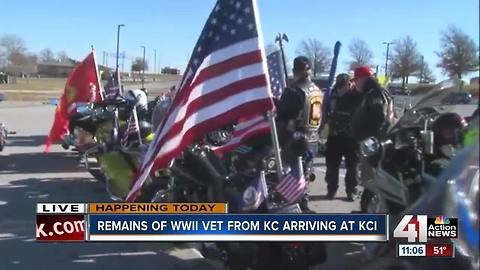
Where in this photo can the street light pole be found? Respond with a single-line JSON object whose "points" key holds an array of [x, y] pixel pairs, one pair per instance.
{"points": [[386, 57], [143, 67], [154, 61], [118, 43]]}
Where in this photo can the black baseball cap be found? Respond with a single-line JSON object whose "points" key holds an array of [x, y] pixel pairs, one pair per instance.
{"points": [[342, 79], [301, 63]]}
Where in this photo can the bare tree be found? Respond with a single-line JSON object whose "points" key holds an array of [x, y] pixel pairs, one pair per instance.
{"points": [[406, 59], [458, 54], [46, 55], [360, 53], [22, 64], [62, 55], [15, 56], [137, 64], [319, 55], [12, 44]]}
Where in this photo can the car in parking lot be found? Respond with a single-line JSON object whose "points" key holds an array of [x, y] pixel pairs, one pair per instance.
{"points": [[398, 90], [460, 97]]}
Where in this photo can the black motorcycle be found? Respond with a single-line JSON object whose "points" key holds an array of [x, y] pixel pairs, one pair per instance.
{"points": [[407, 160]]}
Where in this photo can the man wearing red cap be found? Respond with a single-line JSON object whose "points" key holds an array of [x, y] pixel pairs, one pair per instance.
{"points": [[372, 119], [374, 115]]}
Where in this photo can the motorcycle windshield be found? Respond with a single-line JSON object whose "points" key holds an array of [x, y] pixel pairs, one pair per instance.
{"points": [[456, 195], [435, 100]]}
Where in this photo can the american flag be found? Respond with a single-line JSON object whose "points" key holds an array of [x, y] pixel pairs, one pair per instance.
{"points": [[112, 89], [292, 185], [276, 72], [131, 129], [225, 79], [244, 130]]}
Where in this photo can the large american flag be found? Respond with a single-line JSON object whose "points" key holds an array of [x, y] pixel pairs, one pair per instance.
{"points": [[292, 185], [276, 72], [225, 79]]}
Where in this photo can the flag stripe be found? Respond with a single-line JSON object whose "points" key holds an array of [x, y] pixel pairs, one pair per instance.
{"points": [[250, 122], [214, 98], [209, 112], [236, 62], [226, 53], [205, 72], [211, 86]]}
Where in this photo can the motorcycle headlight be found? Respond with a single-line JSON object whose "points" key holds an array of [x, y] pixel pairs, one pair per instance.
{"points": [[369, 147]]}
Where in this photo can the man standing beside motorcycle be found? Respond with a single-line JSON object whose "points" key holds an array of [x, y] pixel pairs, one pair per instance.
{"points": [[340, 142], [372, 118], [299, 113]]}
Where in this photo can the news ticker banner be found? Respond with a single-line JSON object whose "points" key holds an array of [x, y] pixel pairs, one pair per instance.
{"points": [[197, 222]]}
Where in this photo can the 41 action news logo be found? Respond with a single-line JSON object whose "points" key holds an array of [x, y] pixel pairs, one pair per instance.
{"points": [[420, 228]]}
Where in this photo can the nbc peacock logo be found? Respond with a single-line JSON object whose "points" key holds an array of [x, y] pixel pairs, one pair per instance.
{"points": [[442, 220], [442, 227]]}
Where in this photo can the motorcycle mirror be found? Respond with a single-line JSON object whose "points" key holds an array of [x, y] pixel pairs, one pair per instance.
{"points": [[369, 147]]}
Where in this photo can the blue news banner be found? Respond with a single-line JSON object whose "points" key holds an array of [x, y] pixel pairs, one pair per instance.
{"points": [[237, 227]]}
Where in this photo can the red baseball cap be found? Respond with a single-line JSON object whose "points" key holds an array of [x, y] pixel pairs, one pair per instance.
{"points": [[362, 72]]}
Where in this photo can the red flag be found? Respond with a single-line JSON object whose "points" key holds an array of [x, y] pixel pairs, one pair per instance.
{"points": [[226, 79], [83, 85]]}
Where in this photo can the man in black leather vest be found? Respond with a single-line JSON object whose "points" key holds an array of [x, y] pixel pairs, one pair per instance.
{"points": [[344, 100]]}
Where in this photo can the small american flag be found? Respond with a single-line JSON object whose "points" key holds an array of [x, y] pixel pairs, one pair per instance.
{"points": [[276, 72], [225, 79], [132, 128], [292, 185]]}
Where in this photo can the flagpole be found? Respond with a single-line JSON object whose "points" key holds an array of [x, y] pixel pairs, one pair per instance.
{"points": [[98, 74], [280, 37], [135, 118], [276, 144]]}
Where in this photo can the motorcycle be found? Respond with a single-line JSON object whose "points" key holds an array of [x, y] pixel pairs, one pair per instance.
{"points": [[3, 130], [406, 160], [266, 255], [455, 194]]}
